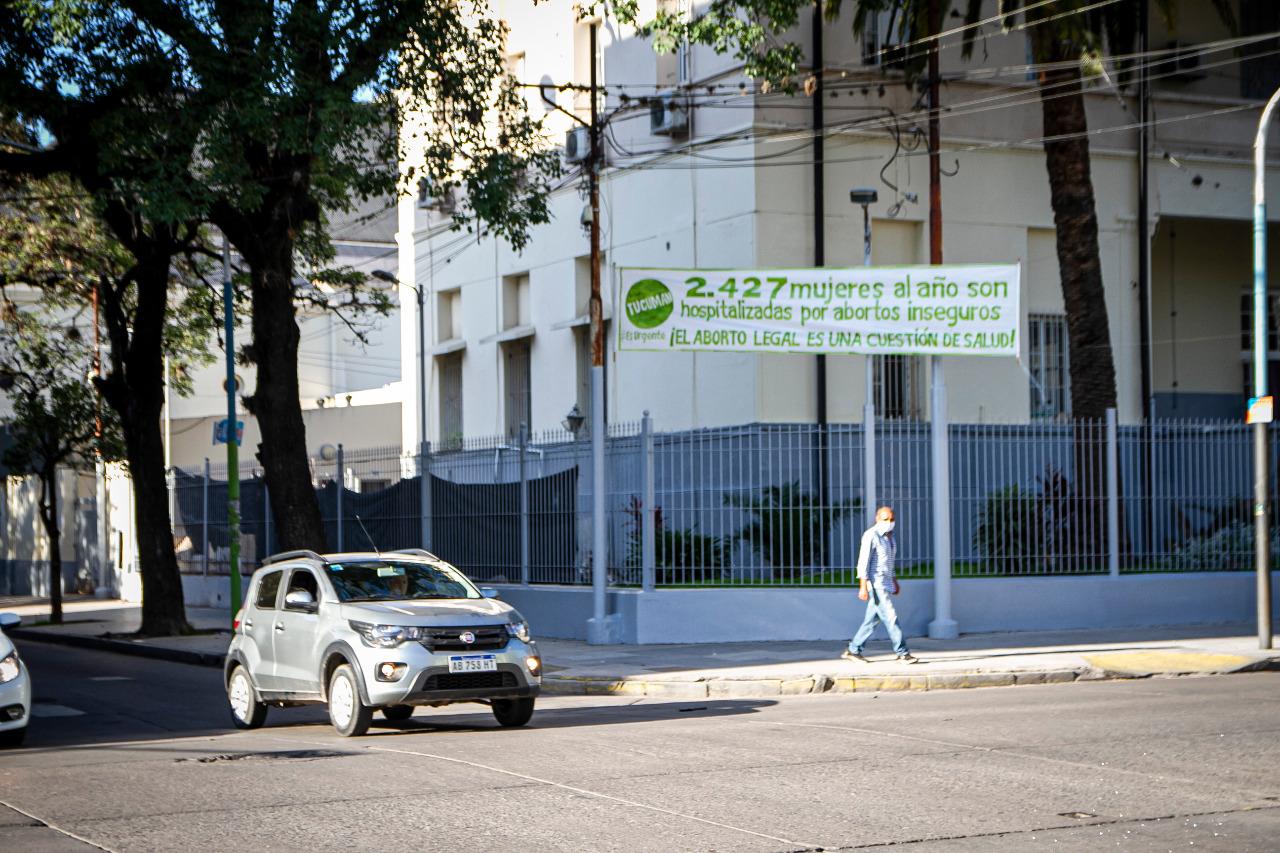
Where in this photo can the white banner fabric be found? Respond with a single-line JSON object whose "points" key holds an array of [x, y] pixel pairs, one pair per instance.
{"points": [[968, 309]]}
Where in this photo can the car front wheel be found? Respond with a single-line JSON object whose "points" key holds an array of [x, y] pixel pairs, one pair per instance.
{"points": [[512, 712], [350, 716], [246, 711]]}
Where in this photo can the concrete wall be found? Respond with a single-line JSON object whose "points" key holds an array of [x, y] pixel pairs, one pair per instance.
{"points": [[980, 606]]}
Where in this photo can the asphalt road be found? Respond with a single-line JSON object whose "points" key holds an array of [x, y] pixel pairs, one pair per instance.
{"points": [[131, 754]]}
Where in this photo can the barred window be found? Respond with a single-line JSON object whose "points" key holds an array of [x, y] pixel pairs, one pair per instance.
{"points": [[1048, 365]]}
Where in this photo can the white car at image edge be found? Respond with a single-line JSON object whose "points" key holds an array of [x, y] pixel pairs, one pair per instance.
{"points": [[15, 688]]}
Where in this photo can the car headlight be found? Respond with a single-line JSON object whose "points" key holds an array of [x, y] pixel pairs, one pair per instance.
{"points": [[386, 636], [519, 630], [9, 667]]}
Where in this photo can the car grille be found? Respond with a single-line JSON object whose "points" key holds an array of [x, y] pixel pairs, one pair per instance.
{"points": [[470, 681], [488, 638]]}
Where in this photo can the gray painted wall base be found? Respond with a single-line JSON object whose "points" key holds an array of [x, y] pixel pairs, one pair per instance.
{"points": [[978, 605]]}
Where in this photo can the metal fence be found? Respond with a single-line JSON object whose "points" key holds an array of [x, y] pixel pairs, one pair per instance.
{"points": [[772, 504]]}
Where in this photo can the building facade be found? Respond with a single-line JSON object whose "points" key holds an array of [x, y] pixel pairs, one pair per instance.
{"points": [[724, 178]]}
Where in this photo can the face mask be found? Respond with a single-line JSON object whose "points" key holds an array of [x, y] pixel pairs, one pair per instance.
{"points": [[883, 527]]}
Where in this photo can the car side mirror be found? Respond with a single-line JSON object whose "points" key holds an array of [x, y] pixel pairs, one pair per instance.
{"points": [[488, 592], [10, 620], [300, 599]]}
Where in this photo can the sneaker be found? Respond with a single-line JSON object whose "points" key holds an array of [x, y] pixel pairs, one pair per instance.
{"points": [[908, 658], [848, 655]]}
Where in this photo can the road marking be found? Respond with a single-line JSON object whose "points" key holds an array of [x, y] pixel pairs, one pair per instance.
{"points": [[54, 827], [799, 844]]}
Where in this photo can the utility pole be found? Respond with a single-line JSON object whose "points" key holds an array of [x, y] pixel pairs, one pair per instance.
{"points": [[820, 260], [233, 438], [597, 627], [943, 626]]}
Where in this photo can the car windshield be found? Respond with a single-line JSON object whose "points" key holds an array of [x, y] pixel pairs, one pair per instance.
{"points": [[395, 581]]}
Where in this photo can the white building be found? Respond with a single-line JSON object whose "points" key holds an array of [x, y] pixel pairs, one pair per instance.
{"points": [[506, 332]]}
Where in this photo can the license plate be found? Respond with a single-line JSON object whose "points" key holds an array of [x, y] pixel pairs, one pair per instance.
{"points": [[473, 663]]}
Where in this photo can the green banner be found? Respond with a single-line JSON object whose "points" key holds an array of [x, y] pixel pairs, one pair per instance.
{"points": [[968, 309]]}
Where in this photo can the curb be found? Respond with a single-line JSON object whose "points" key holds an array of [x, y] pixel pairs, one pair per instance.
{"points": [[754, 688], [124, 647]]}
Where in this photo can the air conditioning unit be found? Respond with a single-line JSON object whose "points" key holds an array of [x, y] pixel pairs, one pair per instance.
{"points": [[577, 145], [430, 198], [669, 115]]}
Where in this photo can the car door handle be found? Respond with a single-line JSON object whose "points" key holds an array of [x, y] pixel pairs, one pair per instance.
{"points": [[279, 626]]}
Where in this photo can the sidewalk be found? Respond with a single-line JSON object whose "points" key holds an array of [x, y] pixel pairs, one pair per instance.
{"points": [[723, 670]]}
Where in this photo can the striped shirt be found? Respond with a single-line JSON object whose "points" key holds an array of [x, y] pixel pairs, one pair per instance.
{"points": [[875, 559]]}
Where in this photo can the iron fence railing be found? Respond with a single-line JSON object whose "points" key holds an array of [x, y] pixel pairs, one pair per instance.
{"points": [[772, 504]]}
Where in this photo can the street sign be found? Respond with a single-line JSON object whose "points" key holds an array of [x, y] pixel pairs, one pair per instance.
{"points": [[1260, 410], [220, 432]]}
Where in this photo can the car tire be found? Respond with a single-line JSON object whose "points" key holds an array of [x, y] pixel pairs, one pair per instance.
{"points": [[247, 711], [349, 715], [398, 713], [13, 737], [512, 712]]}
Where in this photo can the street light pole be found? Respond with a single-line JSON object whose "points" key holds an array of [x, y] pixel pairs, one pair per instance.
{"points": [[233, 438], [1261, 521], [867, 196]]}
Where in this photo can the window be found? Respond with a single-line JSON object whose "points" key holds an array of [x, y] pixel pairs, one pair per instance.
{"points": [[1047, 365], [302, 580], [1246, 341], [896, 386], [882, 36], [268, 588], [516, 375], [1260, 68], [515, 301], [673, 66], [449, 315], [450, 367]]}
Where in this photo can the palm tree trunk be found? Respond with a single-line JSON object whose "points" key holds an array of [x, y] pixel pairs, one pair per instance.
{"points": [[1092, 369]]}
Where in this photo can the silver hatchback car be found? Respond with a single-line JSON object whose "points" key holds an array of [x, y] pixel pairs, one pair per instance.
{"points": [[376, 631]]}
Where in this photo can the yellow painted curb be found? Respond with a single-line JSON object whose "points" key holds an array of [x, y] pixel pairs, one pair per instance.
{"points": [[1156, 662]]}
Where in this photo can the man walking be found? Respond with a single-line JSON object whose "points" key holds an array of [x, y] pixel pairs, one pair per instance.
{"points": [[876, 583]]}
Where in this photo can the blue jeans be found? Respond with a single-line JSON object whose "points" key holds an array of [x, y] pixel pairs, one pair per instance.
{"points": [[879, 609]]}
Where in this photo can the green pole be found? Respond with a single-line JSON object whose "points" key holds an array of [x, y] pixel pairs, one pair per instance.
{"points": [[233, 439]]}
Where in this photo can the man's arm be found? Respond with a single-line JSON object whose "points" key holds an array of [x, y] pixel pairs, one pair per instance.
{"points": [[864, 561]]}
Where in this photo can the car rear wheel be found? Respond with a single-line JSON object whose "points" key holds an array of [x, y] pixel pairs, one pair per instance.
{"points": [[397, 713], [13, 737], [350, 716], [512, 712], [246, 711]]}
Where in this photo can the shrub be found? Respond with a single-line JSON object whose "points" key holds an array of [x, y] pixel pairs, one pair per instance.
{"points": [[791, 526]]}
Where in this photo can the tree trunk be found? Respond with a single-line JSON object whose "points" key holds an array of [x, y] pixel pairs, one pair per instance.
{"points": [[1093, 374], [134, 388], [275, 403], [49, 516], [1092, 370]]}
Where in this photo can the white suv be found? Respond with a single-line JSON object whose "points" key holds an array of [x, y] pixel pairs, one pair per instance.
{"points": [[368, 631]]}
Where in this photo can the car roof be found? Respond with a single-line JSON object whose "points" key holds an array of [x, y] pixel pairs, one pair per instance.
{"points": [[350, 556]]}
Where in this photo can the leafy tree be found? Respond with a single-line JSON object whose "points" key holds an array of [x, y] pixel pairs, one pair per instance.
{"points": [[71, 245], [56, 422], [303, 105]]}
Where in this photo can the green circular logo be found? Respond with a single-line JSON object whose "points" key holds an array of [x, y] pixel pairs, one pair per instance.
{"points": [[649, 303]]}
